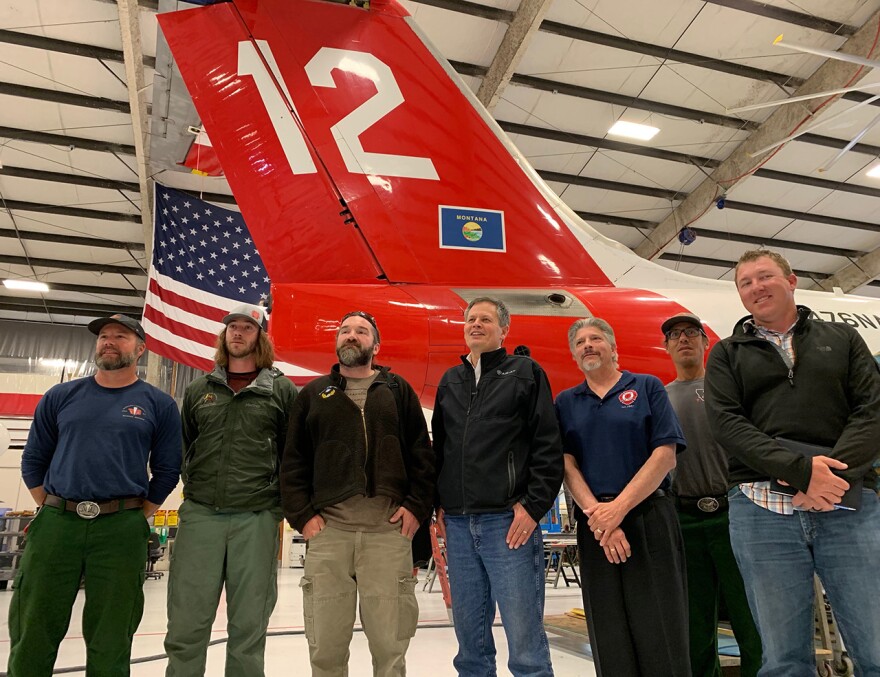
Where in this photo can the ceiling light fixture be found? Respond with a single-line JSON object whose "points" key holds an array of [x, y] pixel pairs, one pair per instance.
{"points": [[874, 172], [633, 130], [26, 285]]}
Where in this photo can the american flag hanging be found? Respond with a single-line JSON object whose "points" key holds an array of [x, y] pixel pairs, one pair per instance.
{"points": [[204, 263]]}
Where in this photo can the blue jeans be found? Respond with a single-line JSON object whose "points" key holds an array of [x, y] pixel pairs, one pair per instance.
{"points": [[778, 555], [483, 571]]}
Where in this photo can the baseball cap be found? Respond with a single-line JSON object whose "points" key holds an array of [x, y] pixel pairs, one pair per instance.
{"points": [[95, 326], [681, 317], [247, 311]]}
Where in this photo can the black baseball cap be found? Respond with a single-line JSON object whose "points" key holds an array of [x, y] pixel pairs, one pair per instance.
{"points": [[95, 326]]}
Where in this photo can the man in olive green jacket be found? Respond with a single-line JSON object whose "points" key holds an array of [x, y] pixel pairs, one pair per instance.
{"points": [[234, 428]]}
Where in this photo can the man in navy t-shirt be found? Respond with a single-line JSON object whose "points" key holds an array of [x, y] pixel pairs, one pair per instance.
{"points": [[620, 437], [85, 463]]}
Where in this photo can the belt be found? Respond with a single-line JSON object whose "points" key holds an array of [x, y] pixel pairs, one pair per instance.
{"points": [[703, 504], [89, 510], [607, 498]]}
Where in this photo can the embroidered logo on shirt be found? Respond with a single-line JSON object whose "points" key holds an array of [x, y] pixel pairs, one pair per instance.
{"points": [[824, 349], [329, 391], [505, 373], [700, 392], [627, 397], [209, 398], [133, 411]]}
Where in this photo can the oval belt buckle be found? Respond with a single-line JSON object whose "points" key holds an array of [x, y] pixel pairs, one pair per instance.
{"points": [[708, 504], [88, 510]]}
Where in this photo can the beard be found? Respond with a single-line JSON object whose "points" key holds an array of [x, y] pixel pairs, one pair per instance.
{"points": [[592, 365], [353, 355], [114, 361], [239, 351]]}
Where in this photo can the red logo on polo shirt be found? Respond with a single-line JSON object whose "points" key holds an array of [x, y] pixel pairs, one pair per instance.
{"points": [[627, 397], [133, 411]]}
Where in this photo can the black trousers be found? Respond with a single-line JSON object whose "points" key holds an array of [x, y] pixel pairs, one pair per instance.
{"points": [[637, 614]]}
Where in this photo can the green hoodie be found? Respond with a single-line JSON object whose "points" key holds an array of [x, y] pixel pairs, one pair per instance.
{"points": [[232, 442]]}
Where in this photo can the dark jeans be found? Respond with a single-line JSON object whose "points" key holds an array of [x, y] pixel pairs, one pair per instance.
{"points": [[637, 611], [483, 571], [110, 553], [712, 575]]}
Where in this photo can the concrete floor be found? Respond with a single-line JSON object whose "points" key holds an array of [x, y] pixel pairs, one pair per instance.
{"points": [[430, 653]]}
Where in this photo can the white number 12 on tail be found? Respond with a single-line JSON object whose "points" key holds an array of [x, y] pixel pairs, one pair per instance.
{"points": [[346, 132]]}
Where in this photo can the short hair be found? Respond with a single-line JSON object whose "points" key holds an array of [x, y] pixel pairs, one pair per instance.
{"points": [[596, 322], [365, 315], [500, 308], [265, 351], [755, 254]]}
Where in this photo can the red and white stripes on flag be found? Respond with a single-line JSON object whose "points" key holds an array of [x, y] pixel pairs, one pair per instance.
{"points": [[204, 264]]}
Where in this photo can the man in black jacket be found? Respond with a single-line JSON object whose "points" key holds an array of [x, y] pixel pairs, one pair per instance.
{"points": [[499, 464], [357, 479], [785, 378]]}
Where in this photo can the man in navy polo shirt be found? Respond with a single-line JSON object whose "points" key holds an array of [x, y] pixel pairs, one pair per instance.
{"points": [[85, 463], [620, 437]]}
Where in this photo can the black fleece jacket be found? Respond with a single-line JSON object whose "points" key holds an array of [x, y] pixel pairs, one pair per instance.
{"points": [[830, 397], [497, 442], [333, 452]]}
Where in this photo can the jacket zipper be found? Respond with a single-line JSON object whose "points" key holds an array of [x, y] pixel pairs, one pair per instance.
{"points": [[467, 421], [220, 493], [366, 439], [366, 450]]}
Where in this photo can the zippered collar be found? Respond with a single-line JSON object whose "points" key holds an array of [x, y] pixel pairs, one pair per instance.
{"points": [[744, 330], [488, 360], [261, 385]]}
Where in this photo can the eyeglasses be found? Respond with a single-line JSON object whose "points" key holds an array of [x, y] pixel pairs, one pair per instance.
{"points": [[690, 332]]}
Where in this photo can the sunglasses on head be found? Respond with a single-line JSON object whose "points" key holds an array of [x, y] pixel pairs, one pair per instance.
{"points": [[359, 313]]}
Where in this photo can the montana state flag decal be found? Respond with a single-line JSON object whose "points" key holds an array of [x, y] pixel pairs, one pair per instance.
{"points": [[470, 228]]}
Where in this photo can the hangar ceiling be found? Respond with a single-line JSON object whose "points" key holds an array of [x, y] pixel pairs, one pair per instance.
{"points": [[88, 120]]}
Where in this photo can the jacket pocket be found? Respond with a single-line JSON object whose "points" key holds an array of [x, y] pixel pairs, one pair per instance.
{"points": [[389, 469], [407, 607]]}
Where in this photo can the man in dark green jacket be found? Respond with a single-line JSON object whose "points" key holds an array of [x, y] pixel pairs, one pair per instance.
{"points": [[234, 428], [357, 479]]}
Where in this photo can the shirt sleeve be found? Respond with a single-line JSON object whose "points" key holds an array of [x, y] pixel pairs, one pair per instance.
{"points": [[165, 454], [546, 465], [857, 444], [297, 465], [665, 428], [438, 437], [419, 457], [41, 442]]}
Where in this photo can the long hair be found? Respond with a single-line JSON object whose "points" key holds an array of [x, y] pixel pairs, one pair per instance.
{"points": [[265, 351]]}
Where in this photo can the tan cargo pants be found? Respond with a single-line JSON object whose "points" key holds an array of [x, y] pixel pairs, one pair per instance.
{"points": [[342, 566]]}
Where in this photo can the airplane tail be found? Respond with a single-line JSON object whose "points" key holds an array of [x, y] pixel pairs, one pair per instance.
{"points": [[357, 154]]}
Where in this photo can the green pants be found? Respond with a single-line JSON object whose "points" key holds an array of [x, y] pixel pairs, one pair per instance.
{"points": [[238, 550], [712, 572], [342, 566], [109, 553]]}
